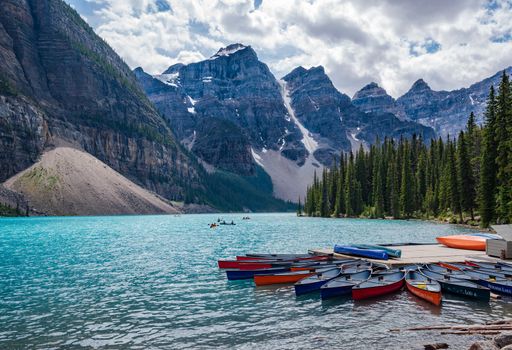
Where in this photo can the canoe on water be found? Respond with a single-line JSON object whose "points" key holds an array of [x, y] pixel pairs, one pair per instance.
{"points": [[423, 287], [490, 266], [237, 274], [286, 277], [315, 282], [285, 258], [394, 253], [366, 253], [251, 264], [468, 242], [342, 286], [381, 284], [496, 282], [460, 287], [302, 266], [449, 271]]}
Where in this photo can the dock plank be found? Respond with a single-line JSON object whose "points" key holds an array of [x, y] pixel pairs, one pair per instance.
{"points": [[420, 254]]}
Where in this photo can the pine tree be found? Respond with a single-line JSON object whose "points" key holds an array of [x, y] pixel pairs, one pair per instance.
{"points": [[406, 190], [487, 185], [504, 150], [465, 176]]}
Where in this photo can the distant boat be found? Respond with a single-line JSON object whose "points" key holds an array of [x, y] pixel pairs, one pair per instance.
{"points": [[343, 285], [469, 242], [366, 253], [458, 286], [378, 285], [423, 287], [394, 253]]}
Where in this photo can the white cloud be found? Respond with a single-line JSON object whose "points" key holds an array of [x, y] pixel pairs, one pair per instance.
{"points": [[450, 44]]}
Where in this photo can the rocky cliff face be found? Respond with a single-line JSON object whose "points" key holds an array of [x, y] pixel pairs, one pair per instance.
{"points": [[445, 111], [60, 83], [229, 102], [339, 123], [374, 99]]}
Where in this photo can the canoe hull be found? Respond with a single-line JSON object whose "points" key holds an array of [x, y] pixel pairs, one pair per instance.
{"points": [[463, 242], [431, 297], [468, 292], [328, 293], [235, 264], [264, 280], [301, 289], [496, 287], [367, 253], [372, 292], [248, 274]]}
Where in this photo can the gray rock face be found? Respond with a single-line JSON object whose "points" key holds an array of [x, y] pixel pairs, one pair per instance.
{"points": [[447, 111], [374, 99], [503, 339], [62, 83], [232, 85], [337, 122]]}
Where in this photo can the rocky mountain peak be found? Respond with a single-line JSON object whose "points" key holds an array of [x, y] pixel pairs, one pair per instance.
{"points": [[419, 85], [232, 49], [370, 90], [174, 68]]}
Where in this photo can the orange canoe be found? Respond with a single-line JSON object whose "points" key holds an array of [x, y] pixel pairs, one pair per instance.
{"points": [[279, 278], [423, 287], [463, 242]]}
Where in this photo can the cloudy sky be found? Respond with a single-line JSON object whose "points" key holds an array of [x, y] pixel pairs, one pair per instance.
{"points": [[449, 43]]}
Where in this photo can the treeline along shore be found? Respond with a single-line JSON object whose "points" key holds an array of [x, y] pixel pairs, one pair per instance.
{"points": [[465, 178]]}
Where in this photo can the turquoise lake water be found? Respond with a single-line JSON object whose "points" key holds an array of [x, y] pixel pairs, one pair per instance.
{"points": [[151, 282]]}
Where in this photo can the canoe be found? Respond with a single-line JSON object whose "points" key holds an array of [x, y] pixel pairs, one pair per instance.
{"points": [[379, 285], [456, 273], [343, 285], [312, 265], [280, 256], [463, 242], [250, 264], [490, 266], [366, 253], [237, 274], [281, 278], [394, 253], [423, 287], [458, 286], [285, 258], [496, 282], [315, 282]]}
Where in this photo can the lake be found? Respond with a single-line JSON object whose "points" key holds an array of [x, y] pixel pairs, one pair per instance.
{"points": [[152, 282]]}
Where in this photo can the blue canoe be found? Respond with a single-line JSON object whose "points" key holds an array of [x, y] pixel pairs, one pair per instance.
{"points": [[315, 282], [341, 286], [394, 253], [236, 274], [366, 253], [494, 281]]}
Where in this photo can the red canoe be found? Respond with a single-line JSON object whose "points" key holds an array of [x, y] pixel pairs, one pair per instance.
{"points": [[381, 284], [248, 264]]}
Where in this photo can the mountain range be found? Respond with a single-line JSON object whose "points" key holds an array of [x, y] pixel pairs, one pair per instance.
{"points": [[222, 133]]}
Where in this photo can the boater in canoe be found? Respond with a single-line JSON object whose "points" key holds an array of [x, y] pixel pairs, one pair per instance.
{"points": [[423, 287]]}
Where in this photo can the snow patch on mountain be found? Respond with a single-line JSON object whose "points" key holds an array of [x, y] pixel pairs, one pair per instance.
{"points": [[307, 138], [171, 79], [227, 51]]}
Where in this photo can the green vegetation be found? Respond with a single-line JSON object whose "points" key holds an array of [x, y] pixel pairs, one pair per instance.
{"points": [[230, 192], [453, 179]]}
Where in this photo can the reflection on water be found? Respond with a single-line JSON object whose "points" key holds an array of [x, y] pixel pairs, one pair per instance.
{"points": [[152, 282]]}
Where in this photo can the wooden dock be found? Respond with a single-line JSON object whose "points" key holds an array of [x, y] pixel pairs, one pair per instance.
{"points": [[421, 254]]}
